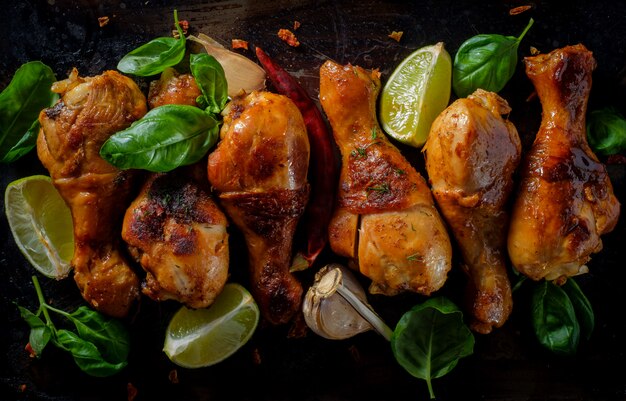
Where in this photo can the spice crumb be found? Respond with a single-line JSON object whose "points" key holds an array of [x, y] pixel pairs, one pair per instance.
{"points": [[184, 26], [173, 376], [239, 44], [103, 21], [22, 388], [519, 10], [534, 51], [131, 391], [296, 25], [288, 37], [396, 35]]}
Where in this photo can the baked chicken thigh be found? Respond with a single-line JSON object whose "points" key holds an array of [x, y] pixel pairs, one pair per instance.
{"points": [[90, 110], [259, 169], [565, 201], [385, 220], [471, 155]]}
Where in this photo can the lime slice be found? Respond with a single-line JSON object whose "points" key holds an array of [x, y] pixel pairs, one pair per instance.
{"points": [[416, 92], [203, 337], [41, 224]]}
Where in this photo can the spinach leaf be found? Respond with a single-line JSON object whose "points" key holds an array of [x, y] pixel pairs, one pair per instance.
{"points": [[39, 333], [485, 61], [20, 104], [100, 345], [554, 319], [606, 131], [211, 80], [155, 56], [86, 355], [582, 307], [166, 137], [429, 339]]}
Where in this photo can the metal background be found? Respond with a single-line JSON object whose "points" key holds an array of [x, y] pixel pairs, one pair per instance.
{"points": [[507, 364]]}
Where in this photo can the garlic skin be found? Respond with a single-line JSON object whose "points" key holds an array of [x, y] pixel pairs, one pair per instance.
{"points": [[327, 312]]}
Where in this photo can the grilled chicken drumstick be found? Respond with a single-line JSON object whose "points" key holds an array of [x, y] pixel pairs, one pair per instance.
{"points": [[259, 169], [173, 228], [385, 219], [91, 110], [565, 201], [471, 155]]}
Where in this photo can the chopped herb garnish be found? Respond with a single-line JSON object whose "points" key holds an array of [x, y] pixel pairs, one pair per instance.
{"points": [[400, 171], [415, 257], [381, 189], [374, 133]]}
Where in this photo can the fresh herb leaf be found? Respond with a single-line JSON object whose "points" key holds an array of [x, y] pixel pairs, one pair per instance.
{"points": [[108, 335], [166, 137], [606, 131], [20, 104], [429, 340], [582, 307], [554, 319], [485, 61], [211, 80], [155, 56]]}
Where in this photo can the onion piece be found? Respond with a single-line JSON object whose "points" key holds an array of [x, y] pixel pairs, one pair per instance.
{"points": [[242, 74]]}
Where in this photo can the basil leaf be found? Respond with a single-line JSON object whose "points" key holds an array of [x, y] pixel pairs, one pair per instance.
{"points": [[86, 355], [39, 333], [429, 339], [108, 335], [554, 320], [20, 104], [582, 307], [211, 80], [166, 137], [606, 131], [486, 61], [155, 56]]}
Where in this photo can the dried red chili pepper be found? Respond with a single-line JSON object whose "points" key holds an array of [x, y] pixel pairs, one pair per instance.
{"points": [[324, 169]]}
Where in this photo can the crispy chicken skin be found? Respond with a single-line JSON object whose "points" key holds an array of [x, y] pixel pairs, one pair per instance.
{"points": [[91, 110], [178, 234], [173, 88], [471, 156], [565, 200], [385, 219], [259, 170]]}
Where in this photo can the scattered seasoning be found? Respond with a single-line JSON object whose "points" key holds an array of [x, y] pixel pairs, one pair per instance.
{"points": [[22, 387], [396, 35], [184, 26], [131, 391], [256, 356], [534, 51], [288, 37], [102, 21], [519, 10], [354, 352], [239, 44], [383, 188], [358, 152], [415, 257], [173, 376], [30, 350], [531, 96], [296, 25]]}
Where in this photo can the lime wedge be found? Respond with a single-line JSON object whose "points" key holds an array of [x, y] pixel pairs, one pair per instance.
{"points": [[41, 224], [416, 92], [203, 337]]}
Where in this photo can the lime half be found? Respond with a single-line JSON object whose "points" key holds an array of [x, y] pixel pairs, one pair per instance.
{"points": [[416, 92], [41, 224], [203, 337]]}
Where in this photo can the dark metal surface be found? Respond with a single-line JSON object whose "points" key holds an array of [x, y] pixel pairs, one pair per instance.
{"points": [[507, 364]]}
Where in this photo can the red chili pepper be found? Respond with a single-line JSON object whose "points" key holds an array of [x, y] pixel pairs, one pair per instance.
{"points": [[324, 169]]}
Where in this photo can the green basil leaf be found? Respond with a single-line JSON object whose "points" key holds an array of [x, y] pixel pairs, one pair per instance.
{"points": [[211, 80], [39, 333], [554, 320], [582, 307], [486, 61], [429, 339], [107, 334], [20, 104], [86, 355], [155, 56], [166, 137], [606, 131]]}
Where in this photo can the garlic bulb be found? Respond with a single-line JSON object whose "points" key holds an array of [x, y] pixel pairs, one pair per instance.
{"points": [[242, 74], [335, 306]]}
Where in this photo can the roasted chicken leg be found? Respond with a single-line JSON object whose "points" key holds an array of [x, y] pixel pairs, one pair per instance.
{"points": [[385, 220], [259, 170], [565, 201], [89, 112], [471, 155]]}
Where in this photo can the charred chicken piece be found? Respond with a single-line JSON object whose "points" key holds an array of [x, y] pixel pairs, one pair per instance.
{"points": [[259, 169], [173, 88], [471, 156], [565, 201], [91, 110], [385, 220], [178, 234]]}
